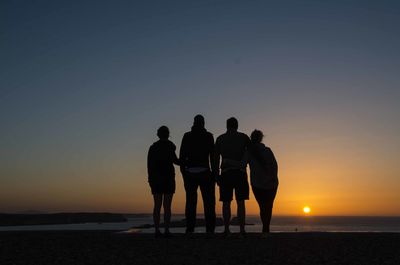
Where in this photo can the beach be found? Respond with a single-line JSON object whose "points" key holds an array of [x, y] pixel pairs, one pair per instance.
{"points": [[109, 247]]}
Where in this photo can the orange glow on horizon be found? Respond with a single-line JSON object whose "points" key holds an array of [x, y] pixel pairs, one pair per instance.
{"points": [[312, 176]]}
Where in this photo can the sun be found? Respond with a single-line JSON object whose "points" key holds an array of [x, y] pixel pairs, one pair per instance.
{"points": [[306, 209]]}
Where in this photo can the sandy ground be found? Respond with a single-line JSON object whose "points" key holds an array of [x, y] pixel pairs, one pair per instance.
{"points": [[105, 247]]}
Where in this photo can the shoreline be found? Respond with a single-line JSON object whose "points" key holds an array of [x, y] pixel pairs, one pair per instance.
{"points": [[278, 224]]}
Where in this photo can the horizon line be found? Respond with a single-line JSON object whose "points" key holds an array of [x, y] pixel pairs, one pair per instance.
{"points": [[202, 215]]}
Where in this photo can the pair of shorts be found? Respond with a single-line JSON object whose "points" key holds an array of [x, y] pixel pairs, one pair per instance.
{"points": [[165, 187], [233, 180]]}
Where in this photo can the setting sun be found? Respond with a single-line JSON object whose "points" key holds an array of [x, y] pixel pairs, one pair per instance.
{"points": [[306, 209]]}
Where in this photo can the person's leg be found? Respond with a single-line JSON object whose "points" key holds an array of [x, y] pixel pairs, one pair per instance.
{"points": [[241, 214], [265, 199], [226, 214], [258, 194], [167, 211], [269, 203], [226, 196], [207, 188], [156, 212], [191, 202], [241, 193], [264, 218]]}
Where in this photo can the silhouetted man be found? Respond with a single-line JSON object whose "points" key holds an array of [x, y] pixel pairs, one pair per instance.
{"points": [[231, 146], [196, 155]]}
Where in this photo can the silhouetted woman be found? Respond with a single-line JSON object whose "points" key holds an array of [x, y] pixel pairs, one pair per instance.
{"points": [[263, 176], [160, 165]]}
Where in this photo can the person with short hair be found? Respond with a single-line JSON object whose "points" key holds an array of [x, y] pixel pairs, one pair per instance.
{"points": [[161, 177], [197, 154], [263, 177], [231, 146]]}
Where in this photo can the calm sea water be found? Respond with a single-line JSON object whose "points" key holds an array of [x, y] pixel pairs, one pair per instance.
{"points": [[278, 224]]}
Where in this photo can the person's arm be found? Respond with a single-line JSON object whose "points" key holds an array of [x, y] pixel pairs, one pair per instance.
{"points": [[271, 164], [274, 164], [214, 167], [150, 165], [175, 159], [266, 156], [217, 155], [246, 156], [248, 141], [216, 162], [183, 153], [245, 159]]}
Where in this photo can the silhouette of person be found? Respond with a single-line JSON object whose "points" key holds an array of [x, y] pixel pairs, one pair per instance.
{"points": [[263, 177], [231, 146], [161, 177], [197, 155]]}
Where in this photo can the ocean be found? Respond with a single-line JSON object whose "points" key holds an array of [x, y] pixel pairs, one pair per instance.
{"points": [[278, 224]]}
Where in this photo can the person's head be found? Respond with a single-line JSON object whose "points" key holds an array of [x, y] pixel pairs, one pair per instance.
{"points": [[198, 121], [232, 124], [256, 136], [163, 133]]}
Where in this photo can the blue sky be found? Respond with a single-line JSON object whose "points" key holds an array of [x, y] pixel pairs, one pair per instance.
{"points": [[85, 85]]}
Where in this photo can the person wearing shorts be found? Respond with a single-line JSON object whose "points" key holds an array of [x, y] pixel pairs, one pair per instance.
{"points": [[231, 147], [234, 181], [161, 177]]}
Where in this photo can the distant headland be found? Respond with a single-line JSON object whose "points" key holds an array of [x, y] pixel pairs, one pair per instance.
{"points": [[59, 218]]}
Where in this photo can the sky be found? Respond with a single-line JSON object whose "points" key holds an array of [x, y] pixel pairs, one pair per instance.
{"points": [[84, 85]]}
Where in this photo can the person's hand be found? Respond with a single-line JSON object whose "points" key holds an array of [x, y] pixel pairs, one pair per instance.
{"points": [[218, 181], [217, 178]]}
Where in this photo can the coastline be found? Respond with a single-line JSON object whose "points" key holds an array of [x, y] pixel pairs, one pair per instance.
{"points": [[144, 224]]}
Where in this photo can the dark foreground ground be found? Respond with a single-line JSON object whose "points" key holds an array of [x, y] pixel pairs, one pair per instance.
{"points": [[281, 248]]}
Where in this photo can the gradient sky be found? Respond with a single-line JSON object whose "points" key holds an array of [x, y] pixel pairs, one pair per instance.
{"points": [[85, 84]]}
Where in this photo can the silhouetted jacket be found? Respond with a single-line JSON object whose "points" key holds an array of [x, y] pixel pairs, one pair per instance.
{"points": [[263, 166], [197, 149], [160, 160]]}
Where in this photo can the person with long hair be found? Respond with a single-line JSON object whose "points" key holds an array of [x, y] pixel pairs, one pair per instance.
{"points": [[161, 177], [263, 177]]}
